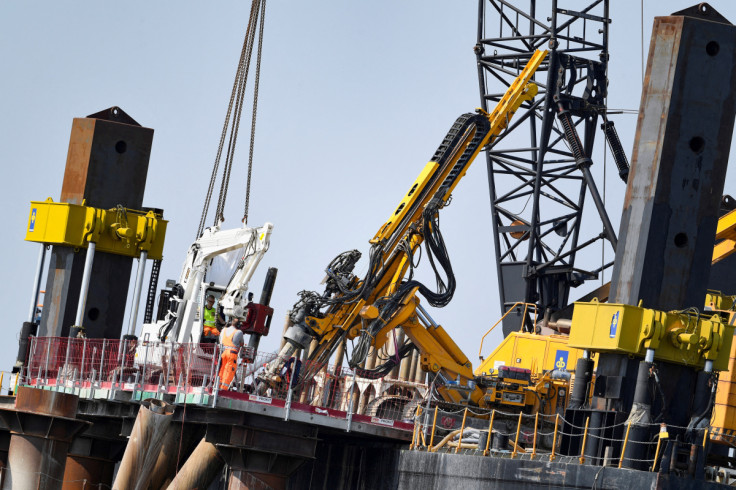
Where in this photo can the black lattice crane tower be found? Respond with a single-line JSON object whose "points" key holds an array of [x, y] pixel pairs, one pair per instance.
{"points": [[539, 187]]}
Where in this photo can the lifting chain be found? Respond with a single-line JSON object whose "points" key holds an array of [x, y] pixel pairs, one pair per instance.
{"points": [[235, 107], [255, 109]]}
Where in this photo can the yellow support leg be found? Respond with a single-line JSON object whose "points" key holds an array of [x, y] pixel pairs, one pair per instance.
{"points": [[516, 441], [554, 438], [490, 433]]}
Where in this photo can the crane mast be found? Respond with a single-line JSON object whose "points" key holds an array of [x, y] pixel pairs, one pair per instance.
{"points": [[537, 195]]}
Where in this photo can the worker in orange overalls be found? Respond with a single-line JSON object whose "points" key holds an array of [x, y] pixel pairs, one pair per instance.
{"points": [[231, 340]]}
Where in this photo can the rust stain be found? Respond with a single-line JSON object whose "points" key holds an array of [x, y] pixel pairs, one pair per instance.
{"points": [[77, 160], [46, 402]]}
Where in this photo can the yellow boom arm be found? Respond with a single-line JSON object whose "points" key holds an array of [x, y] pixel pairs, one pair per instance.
{"points": [[383, 300]]}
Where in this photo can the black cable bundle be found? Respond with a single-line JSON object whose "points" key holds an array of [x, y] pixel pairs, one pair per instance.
{"points": [[386, 367]]}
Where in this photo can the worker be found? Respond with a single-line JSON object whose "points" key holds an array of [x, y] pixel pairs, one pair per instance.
{"points": [[209, 318], [291, 376], [231, 340]]}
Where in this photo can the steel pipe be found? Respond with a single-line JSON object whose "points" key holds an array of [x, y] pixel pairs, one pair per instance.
{"points": [[144, 445], [37, 284], [265, 300], [649, 357], [708, 368], [200, 469], [137, 292], [164, 470], [84, 289]]}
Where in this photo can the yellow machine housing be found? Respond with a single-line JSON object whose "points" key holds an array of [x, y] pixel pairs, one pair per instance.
{"points": [[680, 337], [544, 393], [537, 353], [725, 236], [118, 231], [723, 420]]}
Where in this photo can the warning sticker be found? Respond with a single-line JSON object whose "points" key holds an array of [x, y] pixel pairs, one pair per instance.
{"points": [[388, 422], [259, 399]]}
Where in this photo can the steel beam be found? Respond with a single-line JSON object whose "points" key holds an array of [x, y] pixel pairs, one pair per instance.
{"points": [[248, 480], [106, 166], [258, 461], [42, 427], [93, 454], [671, 209], [83, 473], [269, 447], [679, 162]]}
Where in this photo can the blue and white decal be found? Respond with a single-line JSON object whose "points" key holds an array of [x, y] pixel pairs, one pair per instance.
{"points": [[561, 360], [33, 220], [614, 326]]}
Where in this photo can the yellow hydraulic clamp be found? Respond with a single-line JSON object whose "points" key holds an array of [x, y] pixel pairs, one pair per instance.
{"points": [[682, 337], [722, 303], [117, 231]]}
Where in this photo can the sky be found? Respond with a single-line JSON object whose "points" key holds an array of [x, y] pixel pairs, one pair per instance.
{"points": [[354, 99]]}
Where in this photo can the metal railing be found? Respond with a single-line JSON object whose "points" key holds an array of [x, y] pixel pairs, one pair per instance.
{"points": [[527, 307], [531, 436], [100, 367]]}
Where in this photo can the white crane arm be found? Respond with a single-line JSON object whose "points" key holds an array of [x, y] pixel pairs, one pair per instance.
{"points": [[212, 243]]}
